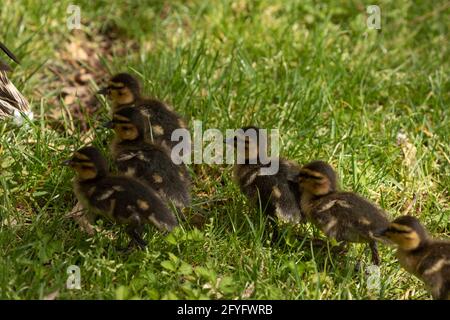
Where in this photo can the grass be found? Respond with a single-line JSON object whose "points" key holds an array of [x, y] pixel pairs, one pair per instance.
{"points": [[336, 90]]}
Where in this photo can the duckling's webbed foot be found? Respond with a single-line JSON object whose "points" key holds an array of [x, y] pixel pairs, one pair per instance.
{"points": [[375, 256]]}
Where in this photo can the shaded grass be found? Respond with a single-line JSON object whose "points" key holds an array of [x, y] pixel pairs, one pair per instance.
{"points": [[336, 90]]}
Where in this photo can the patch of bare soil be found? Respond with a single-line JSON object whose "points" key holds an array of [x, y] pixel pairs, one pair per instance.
{"points": [[79, 66]]}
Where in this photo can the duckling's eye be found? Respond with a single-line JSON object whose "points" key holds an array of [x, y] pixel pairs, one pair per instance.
{"points": [[116, 87], [308, 176], [401, 231], [393, 230]]}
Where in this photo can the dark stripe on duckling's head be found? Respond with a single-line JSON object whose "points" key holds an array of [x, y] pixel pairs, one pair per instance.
{"points": [[130, 123], [318, 177], [409, 221], [121, 117], [309, 174], [407, 232], [321, 168], [122, 89], [89, 163], [116, 85], [126, 80]]}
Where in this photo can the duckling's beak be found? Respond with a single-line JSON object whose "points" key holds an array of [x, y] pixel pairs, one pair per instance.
{"points": [[108, 124], [381, 232], [381, 235], [103, 91]]}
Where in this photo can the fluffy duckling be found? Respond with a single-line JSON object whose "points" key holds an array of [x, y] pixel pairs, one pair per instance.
{"points": [[124, 90], [12, 102], [138, 157], [277, 192], [426, 258], [344, 216], [124, 200]]}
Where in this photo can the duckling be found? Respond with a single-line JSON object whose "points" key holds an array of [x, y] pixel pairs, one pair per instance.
{"points": [[124, 90], [121, 199], [12, 102], [344, 216], [278, 193], [138, 157], [426, 258]]}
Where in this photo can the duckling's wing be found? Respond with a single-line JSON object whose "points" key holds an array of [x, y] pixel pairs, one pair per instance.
{"points": [[151, 207], [158, 213], [346, 216], [371, 217], [153, 211], [434, 269], [429, 256], [155, 167], [178, 192], [273, 192], [130, 202]]}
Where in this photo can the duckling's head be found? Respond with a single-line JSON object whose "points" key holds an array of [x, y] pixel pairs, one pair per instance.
{"points": [[89, 164], [122, 89], [318, 178], [129, 124], [406, 232], [246, 140]]}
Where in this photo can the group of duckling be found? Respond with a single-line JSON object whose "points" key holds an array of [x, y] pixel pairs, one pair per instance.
{"points": [[150, 188], [148, 183]]}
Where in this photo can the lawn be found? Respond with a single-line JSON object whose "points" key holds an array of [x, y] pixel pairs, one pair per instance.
{"points": [[335, 89]]}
